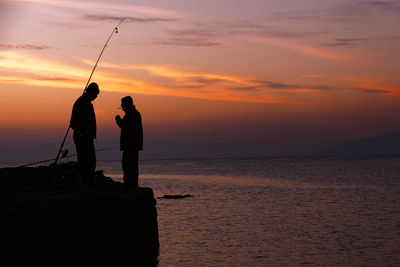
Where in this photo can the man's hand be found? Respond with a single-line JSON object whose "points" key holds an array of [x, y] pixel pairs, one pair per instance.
{"points": [[118, 120]]}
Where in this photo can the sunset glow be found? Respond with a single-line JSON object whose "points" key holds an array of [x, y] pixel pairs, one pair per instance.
{"points": [[272, 73]]}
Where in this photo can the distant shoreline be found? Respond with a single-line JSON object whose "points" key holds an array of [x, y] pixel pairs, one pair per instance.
{"points": [[13, 164]]}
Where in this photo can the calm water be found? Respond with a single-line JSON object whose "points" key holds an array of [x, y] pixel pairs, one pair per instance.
{"points": [[268, 212]]}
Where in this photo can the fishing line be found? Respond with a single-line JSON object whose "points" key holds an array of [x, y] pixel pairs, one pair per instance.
{"points": [[90, 77], [64, 156]]}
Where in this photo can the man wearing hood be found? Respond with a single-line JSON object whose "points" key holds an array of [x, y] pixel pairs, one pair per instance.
{"points": [[83, 122], [131, 140]]}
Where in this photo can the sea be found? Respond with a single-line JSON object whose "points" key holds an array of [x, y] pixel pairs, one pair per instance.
{"points": [[275, 211]]}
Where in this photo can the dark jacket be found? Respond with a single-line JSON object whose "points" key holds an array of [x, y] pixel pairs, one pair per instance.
{"points": [[83, 118], [131, 131]]}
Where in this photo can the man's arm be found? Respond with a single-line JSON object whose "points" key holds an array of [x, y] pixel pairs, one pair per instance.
{"points": [[118, 120], [140, 132], [74, 120]]}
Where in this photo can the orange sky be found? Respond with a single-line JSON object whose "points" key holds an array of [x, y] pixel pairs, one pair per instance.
{"points": [[266, 74]]}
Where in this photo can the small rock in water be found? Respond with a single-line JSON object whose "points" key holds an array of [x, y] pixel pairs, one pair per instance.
{"points": [[175, 196]]}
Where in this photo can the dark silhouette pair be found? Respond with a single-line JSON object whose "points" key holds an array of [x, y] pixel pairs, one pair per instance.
{"points": [[83, 122]]}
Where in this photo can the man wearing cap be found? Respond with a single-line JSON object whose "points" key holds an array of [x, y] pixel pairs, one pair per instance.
{"points": [[83, 122], [131, 140]]}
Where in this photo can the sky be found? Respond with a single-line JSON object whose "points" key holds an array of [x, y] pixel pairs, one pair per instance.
{"points": [[221, 78]]}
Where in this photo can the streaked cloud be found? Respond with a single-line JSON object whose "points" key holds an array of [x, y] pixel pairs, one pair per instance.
{"points": [[245, 88], [275, 85], [23, 47], [388, 5], [303, 49], [370, 86], [221, 33], [27, 69], [356, 11], [317, 52], [373, 91], [346, 42], [126, 19], [197, 36], [115, 7], [313, 76], [188, 42], [228, 83], [348, 24]]}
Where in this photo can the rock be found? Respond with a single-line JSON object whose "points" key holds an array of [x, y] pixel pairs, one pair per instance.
{"points": [[49, 217], [175, 196]]}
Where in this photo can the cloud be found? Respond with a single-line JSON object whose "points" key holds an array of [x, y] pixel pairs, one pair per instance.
{"points": [[245, 88], [369, 86], [356, 11], [372, 91], [317, 52], [275, 85], [215, 33], [320, 87], [30, 78], [10, 79], [188, 42], [271, 85], [346, 42], [264, 29], [200, 36], [350, 12], [225, 83], [207, 81], [27, 69], [312, 76], [54, 79], [23, 47], [126, 19], [391, 6], [96, 6], [360, 17], [303, 49]]}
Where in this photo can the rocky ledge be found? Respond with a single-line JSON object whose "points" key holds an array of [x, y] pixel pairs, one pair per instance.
{"points": [[49, 217]]}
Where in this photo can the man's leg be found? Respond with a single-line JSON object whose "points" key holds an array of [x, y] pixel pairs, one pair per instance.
{"points": [[80, 153], [135, 168], [86, 157], [130, 167], [91, 161]]}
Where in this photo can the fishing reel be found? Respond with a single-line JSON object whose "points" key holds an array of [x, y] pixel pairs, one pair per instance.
{"points": [[64, 153]]}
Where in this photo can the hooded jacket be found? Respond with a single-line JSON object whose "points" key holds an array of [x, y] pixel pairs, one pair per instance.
{"points": [[131, 130], [83, 118]]}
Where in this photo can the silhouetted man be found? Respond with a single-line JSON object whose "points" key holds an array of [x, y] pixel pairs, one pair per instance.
{"points": [[83, 122], [131, 140]]}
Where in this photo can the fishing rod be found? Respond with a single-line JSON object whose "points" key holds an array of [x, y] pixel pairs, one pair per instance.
{"points": [[90, 77], [64, 156]]}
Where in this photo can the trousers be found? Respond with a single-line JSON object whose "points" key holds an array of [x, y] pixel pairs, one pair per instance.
{"points": [[130, 167], [86, 157]]}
